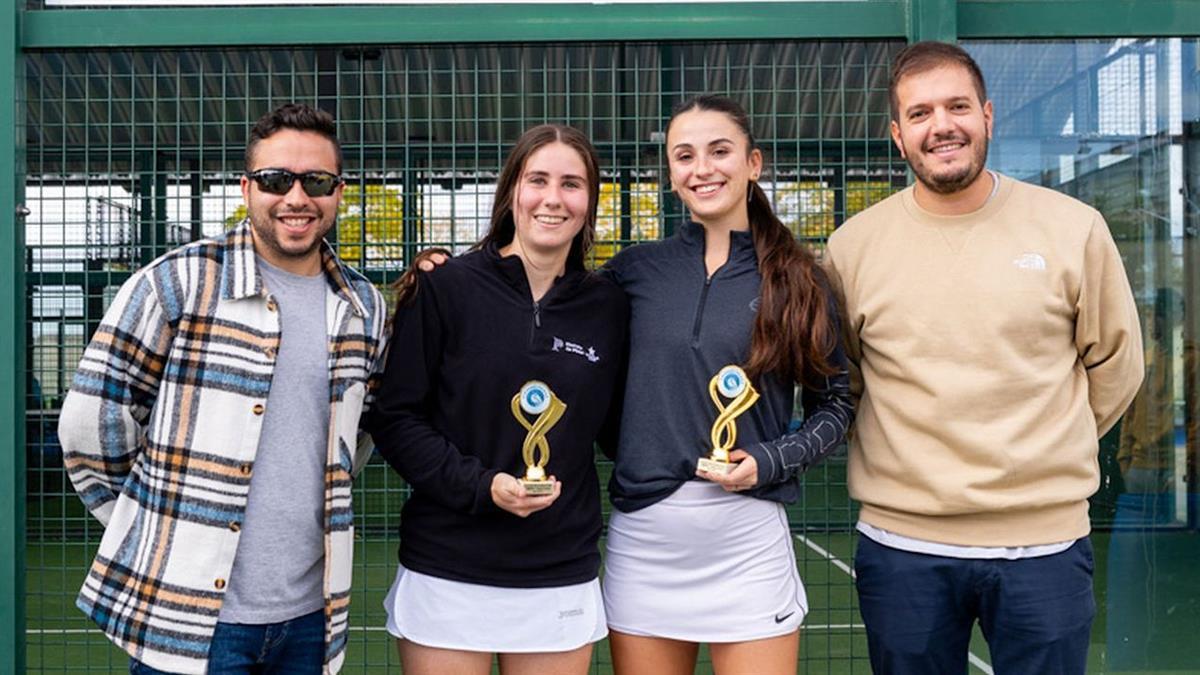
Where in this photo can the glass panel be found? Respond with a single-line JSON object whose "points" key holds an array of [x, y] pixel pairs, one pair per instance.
{"points": [[1116, 123]]}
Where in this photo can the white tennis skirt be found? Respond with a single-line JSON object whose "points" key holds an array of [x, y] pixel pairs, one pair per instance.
{"points": [[703, 565], [473, 617]]}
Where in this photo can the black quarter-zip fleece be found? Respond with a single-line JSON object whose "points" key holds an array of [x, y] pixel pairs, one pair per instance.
{"points": [[684, 327], [459, 352]]}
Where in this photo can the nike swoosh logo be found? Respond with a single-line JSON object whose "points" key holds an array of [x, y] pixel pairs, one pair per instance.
{"points": [[781, 619]]}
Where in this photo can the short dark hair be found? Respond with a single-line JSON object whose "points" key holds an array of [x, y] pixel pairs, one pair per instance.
{"points": [[920, 57], [296, 116]]}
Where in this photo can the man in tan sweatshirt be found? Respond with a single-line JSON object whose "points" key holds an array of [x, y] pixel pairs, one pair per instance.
{"points": [[996, 340]]}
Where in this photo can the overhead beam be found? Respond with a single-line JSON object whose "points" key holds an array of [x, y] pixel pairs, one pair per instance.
{"points": [[932, 20], [458, 23], [565, 22], [1070, 19]]}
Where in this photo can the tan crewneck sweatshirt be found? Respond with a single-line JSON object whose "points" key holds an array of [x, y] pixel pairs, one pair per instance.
{"points": [[993, 350]]}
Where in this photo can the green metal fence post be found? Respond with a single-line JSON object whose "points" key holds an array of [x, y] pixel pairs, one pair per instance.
{"points": [[410, 214], [12, 349], [669, 207], [932, 20], [161, 238], [146, 168], [196, 201]]}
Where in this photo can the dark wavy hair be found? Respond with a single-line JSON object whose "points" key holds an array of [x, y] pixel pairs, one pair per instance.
{"points": [[793, 335], [296, 116]]}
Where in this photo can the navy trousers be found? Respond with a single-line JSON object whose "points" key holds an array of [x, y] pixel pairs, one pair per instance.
{"points": [[293, 647], [1035, 613]]}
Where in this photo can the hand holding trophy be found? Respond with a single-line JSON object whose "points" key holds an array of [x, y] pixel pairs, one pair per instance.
{"points": [[730, 382], [535, 398]]}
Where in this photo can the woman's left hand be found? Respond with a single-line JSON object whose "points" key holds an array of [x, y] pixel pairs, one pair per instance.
{"points": [[743, 477]]}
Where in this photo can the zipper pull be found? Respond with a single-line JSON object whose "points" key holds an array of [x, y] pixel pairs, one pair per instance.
{"points": [[537, 315]]}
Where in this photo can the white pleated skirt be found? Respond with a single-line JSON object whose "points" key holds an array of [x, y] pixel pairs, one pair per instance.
{"points": [[703, 565], [473, 617]]}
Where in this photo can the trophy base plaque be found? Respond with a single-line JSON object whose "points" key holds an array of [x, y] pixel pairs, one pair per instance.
{"points": [[715, 466], [537, 488]]}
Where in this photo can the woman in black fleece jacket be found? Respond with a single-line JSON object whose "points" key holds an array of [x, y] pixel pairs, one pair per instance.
{"points": [[485, 567]]}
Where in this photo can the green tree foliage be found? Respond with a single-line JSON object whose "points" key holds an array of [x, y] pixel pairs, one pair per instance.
{"points": [[644, 218]]}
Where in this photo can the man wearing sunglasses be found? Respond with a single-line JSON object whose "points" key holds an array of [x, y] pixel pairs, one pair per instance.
{"points": [[212, 426]]}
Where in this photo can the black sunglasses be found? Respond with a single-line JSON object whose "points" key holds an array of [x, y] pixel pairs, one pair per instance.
{"points": [[280, 181]]}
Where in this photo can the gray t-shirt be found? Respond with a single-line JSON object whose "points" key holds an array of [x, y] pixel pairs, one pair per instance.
{"points": [[278, 572]]}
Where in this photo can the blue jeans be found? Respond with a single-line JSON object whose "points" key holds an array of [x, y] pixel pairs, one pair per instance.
{"points": [[295, 646], [1036, 613]]}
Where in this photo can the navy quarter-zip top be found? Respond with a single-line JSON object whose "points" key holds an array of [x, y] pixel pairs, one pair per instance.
{"points": [[700, 312], [460, 350], [684, 327]]}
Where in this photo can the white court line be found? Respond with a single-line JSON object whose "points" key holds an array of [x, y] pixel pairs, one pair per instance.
{"points": [[841, 565], [97, 631], [381, 629]]}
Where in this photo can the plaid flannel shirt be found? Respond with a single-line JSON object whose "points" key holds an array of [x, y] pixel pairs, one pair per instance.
{"points": [[161, 427]]}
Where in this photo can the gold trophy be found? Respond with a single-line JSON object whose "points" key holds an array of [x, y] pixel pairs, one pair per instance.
{"points": [[732, 383], [536, 398]]}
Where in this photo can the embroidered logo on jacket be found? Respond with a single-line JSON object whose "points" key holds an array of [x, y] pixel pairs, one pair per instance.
{"points": [[1029, 261], [561, 345]]}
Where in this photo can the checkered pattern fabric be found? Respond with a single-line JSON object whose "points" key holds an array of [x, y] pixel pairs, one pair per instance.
{"points": [[160, 432]]}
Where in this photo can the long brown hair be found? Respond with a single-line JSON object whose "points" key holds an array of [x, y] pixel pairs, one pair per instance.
{"points": [[793, 334], [503, 227]]}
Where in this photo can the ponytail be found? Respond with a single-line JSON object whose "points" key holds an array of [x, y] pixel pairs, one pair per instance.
{"points": [[793, 333]]}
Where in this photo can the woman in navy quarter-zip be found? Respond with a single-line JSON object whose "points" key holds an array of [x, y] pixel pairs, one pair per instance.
{"points": [[485, 567], [693, 557]]}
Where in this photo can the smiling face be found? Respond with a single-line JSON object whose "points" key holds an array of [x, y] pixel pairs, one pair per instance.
{"points": [[288, 228], [711, 166], [942, 128], [550, 200]]}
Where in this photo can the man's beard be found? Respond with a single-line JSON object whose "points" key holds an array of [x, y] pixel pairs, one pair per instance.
{"points": [[946, 184], [267, 236]]}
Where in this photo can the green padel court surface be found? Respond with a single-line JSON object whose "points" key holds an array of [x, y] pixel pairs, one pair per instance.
{"points": [[60, 639]]}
